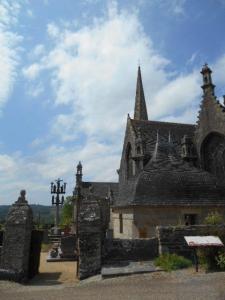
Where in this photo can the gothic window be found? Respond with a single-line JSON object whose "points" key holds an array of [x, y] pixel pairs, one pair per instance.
{"points": [[213, 155], [205, 79], [129, 162], [138, 150]]}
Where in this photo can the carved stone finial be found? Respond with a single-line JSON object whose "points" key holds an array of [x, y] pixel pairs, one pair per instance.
{"points": [[79, 168], [208, 86], [21, 198]]}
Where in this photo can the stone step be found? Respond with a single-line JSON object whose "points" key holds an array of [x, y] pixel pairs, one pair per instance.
{"points": [[128, 268]]}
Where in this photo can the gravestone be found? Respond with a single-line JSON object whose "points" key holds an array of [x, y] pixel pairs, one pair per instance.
{"points": [[89, 237], [17, 239], [68, 246]]}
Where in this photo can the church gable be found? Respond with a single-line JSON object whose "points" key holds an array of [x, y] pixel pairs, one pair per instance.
{"points": [[127, 168], [176, 131], [210, 130], [141, 179]]}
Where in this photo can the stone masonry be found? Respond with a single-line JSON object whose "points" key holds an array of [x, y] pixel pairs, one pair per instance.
{"points": [[171, 238], [89, 237], [17, 239]]}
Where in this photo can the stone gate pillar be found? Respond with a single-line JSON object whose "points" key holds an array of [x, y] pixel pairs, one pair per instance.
{"points": [[89, 238], [17, 238]]}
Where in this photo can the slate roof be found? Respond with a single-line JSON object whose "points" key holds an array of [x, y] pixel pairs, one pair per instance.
{"points": [[167, 179], [149, 129], [99, 189]]}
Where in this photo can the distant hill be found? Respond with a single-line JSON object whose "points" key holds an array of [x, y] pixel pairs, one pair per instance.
{"points": [[45, 213]]}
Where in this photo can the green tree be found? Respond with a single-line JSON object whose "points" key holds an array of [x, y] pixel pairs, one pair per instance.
{"points": [[67, 212]]}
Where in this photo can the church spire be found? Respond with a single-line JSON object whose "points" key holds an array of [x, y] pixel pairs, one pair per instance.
{"points": [[140, 110]]}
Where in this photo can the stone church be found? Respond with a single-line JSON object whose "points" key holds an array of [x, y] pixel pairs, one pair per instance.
{"points": [[170, 173]]}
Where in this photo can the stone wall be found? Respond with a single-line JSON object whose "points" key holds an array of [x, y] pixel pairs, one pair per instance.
{"points": [[139, 220], [171, 238], [128, 224], [130, 250]]}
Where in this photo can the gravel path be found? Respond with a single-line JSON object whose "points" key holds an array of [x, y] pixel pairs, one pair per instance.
{"points": [[57, 281], [178, 285], [55, 272]]}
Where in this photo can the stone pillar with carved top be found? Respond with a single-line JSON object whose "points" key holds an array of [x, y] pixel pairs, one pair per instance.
{"points": [[89, 237], [17, 238]]}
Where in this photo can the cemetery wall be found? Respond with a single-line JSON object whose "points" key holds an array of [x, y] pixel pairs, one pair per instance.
{"points": [[171, 238], [130, 249]]}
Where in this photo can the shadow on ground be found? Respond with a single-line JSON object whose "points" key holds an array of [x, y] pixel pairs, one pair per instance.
{"points": [[46, 279]]}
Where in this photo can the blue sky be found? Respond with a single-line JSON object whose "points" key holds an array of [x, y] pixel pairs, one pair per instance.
{"points": [[69, 74]]}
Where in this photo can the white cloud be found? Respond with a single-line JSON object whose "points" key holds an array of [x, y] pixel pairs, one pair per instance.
{"points": [[8, 13], [53, 30], [63, 127], [177, 96], [192, 59], [38, 50], [34, 173], [9, 42], [218, 70], [32, 71], [36, 90], [93, 72]]}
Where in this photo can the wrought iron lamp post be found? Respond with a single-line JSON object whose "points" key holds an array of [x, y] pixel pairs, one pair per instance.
{"points": [[57, 189]]}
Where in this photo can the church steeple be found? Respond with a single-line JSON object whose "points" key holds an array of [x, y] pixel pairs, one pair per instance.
{"points": [[140, 110], [208, 86]]}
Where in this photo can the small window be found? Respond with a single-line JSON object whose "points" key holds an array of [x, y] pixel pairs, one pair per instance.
{"points": [[138, 150], [190, 219], [205, 79], [121, 222]]}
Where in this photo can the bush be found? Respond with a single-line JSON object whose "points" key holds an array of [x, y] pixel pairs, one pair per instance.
{"points": [[171, 262], [220, 259], [214, 218], [212, 259], [67, 212], [207, 258]]}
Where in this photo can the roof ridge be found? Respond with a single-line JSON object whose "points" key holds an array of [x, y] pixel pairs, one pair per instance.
{"points": [[109, 182], [162, 122]]}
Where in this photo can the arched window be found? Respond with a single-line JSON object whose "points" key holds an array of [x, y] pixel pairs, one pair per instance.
{"points": [[129, 162], [138, 150], [213, 155]]}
